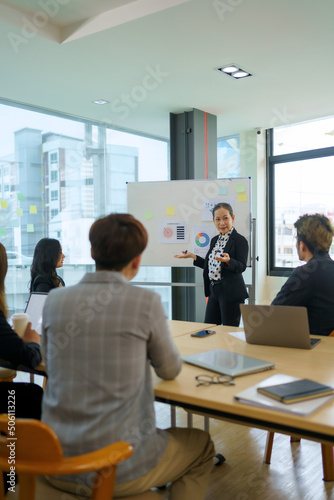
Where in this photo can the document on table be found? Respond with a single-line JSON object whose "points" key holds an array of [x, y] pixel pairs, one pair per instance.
{"points": [[252, 397], [238, 335]]}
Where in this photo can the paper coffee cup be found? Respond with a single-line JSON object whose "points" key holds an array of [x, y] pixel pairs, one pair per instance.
{"points": [[20, 322]]}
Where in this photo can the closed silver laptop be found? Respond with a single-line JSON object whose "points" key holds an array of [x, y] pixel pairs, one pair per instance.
{"points": [[280, 326], [228, 362]]}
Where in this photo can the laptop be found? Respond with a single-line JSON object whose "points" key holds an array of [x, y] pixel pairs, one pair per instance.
{"points": [[34, 309], [227, 362], [280, 326]]}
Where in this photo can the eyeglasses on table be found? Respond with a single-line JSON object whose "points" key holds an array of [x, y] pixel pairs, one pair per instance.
{"points": [[214, 379]]}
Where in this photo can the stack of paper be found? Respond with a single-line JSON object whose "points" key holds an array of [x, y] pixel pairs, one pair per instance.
{"points": [[253, 397]]}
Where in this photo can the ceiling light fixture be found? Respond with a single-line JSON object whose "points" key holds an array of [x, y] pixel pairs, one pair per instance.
{"points": [[234, 71], [101, 101]]}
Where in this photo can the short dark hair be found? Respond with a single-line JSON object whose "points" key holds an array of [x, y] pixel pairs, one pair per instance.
{"points": [[316, 231], [227, 206], [116, 240]]}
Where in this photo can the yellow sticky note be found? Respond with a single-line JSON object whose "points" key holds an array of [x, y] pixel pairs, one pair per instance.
{"points": [[19, 212], [30, 228], [240, 188], [170, 211], [242, 197], [149, 214], [33, 209], [4, 204]]}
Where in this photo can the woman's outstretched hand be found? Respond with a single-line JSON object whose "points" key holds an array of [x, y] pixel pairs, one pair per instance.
{"points": [[224, 257], [186, 255]]}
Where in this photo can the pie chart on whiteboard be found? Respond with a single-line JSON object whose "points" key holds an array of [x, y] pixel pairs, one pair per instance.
{"points": [[168, 232], [202, 240]]}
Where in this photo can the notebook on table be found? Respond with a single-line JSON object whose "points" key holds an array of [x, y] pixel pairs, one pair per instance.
{"points": [[279, 326], [34, 309], [296, 391], [227, 362]]}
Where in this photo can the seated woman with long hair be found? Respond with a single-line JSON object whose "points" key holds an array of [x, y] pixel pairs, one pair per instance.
{"points": [[18, 350], [48, 256]]}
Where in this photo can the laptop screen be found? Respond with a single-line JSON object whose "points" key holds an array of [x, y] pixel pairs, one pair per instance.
{"points": [[34, 310]]}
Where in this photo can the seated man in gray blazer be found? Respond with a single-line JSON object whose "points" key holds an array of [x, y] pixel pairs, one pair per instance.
{"points": [[100, 339], [312, 285]]}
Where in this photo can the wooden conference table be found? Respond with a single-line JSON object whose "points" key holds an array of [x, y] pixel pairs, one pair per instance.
{"points": [[217, 401]]}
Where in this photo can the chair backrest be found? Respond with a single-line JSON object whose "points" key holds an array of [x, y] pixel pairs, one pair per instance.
{"points": [[37, 452], [32, 440]]}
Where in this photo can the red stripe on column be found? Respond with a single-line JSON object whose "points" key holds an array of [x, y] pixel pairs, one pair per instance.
{"points": [[206, 144]]}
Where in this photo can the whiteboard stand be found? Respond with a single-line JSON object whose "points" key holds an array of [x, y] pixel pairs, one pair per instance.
{"points": [[254, 260]]}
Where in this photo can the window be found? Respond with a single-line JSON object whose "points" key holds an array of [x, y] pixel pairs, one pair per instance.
{"points": [[54, 176], [299, 182], [53, 159], [228, 157], [54, 195], [49, 148]]}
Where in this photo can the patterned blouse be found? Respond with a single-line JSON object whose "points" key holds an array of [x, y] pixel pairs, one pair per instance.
{"points": [[218, 249]]}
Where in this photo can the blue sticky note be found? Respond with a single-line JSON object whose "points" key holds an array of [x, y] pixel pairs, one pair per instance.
{"points": [[222, 190]]}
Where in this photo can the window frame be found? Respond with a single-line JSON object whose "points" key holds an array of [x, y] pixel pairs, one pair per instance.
{"points": [[271, 162]]}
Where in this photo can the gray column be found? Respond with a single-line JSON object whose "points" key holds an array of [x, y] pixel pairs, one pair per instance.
{"points": [[193, 147]]}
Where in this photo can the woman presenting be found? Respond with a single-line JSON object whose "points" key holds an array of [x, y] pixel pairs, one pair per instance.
{"points": [[223, 266]]}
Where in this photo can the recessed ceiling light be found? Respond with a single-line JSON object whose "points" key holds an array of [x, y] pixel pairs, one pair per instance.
{"points": [[100, 101], [240, 74], [229, 69], [234, 71]]}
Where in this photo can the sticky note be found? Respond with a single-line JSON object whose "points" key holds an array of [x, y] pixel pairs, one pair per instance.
{"points": [[33, 209], [149, 214], [16, 223], [4, 204], [240, 188], [170, 211], [242, 197], [19, 212], [30, 228], [3, 231], [20, 196], [222, 190]]}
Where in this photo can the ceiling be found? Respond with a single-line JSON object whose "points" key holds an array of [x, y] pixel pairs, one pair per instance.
{"points": [[152, 57]]}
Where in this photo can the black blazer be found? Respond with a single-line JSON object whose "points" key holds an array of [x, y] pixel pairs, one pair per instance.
{"points": [[14, 349], [234, 287], [312, 286], [42, 284]]}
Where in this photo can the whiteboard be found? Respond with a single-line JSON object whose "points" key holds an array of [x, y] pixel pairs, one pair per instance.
{"points": [[178, 215]]}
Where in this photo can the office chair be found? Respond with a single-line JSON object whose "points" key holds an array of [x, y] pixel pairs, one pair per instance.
{"points": [[326, 450], [37, 451], [7, 375]]}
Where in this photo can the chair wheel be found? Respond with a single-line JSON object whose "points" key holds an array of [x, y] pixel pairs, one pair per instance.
{"points": [[218, 459]]}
